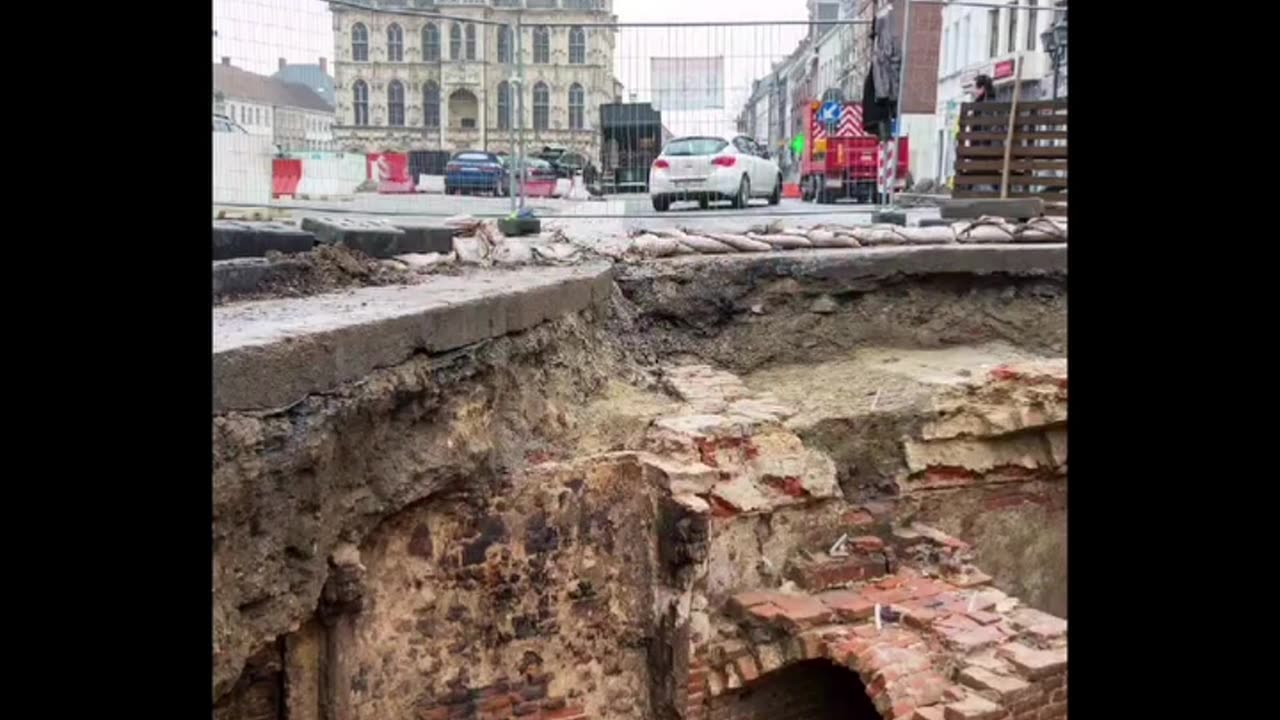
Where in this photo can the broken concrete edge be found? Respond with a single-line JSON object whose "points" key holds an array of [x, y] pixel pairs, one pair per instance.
{"points": [[282, 372]]}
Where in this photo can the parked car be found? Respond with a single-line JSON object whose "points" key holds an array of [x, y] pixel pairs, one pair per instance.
{"points": [[538, 169], [475, 171], [222, 123], [713, 169], [567, 163]]}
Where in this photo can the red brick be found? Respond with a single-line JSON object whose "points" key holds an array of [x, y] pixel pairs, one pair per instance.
{"points": [[975, 639], [857, 517], [973, 579], [753, 597], [926, 687], [812, 646], [1004, 687], [436, 713], [1034, 663], [917, 617], [973, 707], [929, 713], [985, 618], [957, 622], [747, 668], [868, 543], [802, 610], [902, 709], [849, 606]]}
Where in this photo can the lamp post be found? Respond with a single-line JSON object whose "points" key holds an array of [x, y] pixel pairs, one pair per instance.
{"points": [[1055, 43]]}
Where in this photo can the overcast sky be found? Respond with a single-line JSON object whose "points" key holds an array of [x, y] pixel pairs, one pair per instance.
{"points": [[255, 33]]}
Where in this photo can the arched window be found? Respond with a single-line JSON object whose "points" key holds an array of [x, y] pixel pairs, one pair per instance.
{"points": [[471, 41], [430, 42], [395, 43], [359, 42], [431, 104], [577, 46], [395, 103], [360, 102], [577, 107], [455, 42], [504, 44], [541, 45], [504, 105], [541, 107]]}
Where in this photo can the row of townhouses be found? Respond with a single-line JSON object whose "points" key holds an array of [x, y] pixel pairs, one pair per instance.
{"points": [[948, 47], [294, 107]]}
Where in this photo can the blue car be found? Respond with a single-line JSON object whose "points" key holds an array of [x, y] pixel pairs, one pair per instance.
{"points": [[475, 171]]}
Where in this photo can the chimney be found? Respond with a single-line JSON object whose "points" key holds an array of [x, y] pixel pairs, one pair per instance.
{"points": [[283, 63], [324, 66], [226, 61]]}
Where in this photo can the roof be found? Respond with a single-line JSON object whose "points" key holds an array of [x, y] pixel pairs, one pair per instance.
{"points": [[311, 76], [233, 82]]}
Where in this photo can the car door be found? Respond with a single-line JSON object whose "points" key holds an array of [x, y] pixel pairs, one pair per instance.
{"points": [[747, 157], [768, 169]]}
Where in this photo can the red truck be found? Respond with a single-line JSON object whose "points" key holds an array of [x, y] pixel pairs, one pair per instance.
{"points": [[841, 160]]}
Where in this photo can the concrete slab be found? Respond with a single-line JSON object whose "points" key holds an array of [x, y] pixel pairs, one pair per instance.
{"points": [[1012, 208], [242, 276], [273, 353], [241, 239], [889, 217], [424, 237], [374, 237]]}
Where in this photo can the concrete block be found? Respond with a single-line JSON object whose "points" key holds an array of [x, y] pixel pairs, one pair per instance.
{"points": [[272, 353], [244, 276], [889, 217], [420, 237], [239, 239], [374, 237], [935, 222], [1012, 208]]}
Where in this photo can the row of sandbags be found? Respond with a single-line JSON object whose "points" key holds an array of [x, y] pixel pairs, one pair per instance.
{"points": [[988, 230]]}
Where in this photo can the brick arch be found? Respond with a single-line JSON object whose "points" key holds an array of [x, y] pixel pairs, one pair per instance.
{"points": [[891, 670], [815, 689]]}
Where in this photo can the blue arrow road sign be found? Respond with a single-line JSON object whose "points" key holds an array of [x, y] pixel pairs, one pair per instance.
{"points": [[830, 113]]}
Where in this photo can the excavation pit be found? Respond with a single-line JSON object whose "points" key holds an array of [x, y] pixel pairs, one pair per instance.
{"points": [[831, 481]]}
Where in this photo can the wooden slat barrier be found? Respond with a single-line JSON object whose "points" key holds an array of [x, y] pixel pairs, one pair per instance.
{"points": [[1038, 160]]}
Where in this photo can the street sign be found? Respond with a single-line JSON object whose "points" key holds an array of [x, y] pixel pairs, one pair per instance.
{"points": [[830, 113]]}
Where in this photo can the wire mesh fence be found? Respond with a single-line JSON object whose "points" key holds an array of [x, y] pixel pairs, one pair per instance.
{"points": [[438, 107]]}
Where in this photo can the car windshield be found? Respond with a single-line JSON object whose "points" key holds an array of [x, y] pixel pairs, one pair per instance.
{"points": [[695, 146], [473, 157]]}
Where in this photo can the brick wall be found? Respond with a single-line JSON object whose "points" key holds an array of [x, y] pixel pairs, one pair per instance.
{"points": [[525, 699], [811, 690]]}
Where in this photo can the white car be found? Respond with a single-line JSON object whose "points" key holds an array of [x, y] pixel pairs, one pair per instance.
{"points": [[711, 169]]}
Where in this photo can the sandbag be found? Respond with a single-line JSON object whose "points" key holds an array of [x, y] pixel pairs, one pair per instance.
{"points": [[741, 243], [655, 246], [985, 230], [783, 242], [705, 244], [828, 239], [1042, 230]]}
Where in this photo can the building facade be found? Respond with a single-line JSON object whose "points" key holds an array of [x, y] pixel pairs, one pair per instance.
{"points": [[990, 41], [449, 81], [295, 117]]}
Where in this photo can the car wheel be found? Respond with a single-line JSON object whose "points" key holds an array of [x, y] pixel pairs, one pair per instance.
{"points": [[660, 203], [776, 197], [743, 197]]}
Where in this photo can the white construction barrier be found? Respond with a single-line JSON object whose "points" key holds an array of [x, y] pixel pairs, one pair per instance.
{"points": [[327, 173], [241, 168], [431, 184]]}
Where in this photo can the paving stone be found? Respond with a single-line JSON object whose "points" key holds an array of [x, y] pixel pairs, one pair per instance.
{"points": [[973, 707], [973, 639], [889, 217], [1034, 663], [979, 678], [1040, 625], [849, 606], [239, 239], [374, 237]]}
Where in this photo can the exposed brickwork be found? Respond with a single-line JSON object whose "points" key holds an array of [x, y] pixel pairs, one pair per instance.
{"points": [[523, 699]]}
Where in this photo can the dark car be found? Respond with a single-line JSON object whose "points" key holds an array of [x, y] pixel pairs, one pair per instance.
{"points": [[567, 163], [475, 171]]}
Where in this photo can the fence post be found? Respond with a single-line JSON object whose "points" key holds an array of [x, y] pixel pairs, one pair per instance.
{"points": [[519, 149], [902, 92]]}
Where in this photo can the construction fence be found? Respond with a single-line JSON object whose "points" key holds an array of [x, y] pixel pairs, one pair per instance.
{"points": [[390, 106]]}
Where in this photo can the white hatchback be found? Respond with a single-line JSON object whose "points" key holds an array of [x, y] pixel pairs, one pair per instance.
{"points": [[711, 169]]}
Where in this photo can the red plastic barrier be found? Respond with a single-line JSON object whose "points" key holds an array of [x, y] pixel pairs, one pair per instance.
{"points": [[540, 188], [391, 170], [285, 176]]}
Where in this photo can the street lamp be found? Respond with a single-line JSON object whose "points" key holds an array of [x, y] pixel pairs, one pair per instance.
{"points": [[1055, 43]]}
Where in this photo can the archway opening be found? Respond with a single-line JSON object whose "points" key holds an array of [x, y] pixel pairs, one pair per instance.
{"points": [[809, 690], [464, 110]]}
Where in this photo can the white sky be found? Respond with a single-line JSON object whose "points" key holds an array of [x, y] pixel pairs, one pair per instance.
{"points": [[255, 33]]}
